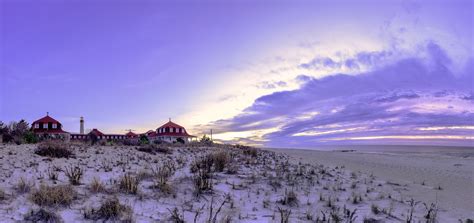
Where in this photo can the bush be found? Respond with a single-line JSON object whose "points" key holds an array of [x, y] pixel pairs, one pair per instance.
{"points": [[220, 160], [42, 215], [249, 151], [110, 209], [153, 149], [30, 137], [53, 195], [129, 184], [54, 149], [144, 140]]}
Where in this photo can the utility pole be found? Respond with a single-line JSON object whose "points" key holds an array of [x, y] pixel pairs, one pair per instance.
{"points": [[211, 134]]}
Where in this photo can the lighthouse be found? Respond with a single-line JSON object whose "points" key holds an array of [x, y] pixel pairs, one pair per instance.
{"points": [[82, 125]]}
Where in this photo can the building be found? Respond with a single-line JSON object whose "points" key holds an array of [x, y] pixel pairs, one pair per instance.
{"points": [[172, 132], [48, 127], [99, 135]]}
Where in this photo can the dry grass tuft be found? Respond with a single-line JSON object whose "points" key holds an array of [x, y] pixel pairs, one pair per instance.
{"points": [[129, 184], [96, 186], [23, 186], [74, 174], [53, 195]]}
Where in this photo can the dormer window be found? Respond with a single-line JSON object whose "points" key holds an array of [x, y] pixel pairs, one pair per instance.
{"points": [[45, 125], [55, 125], [37, 125], [172, 129]]}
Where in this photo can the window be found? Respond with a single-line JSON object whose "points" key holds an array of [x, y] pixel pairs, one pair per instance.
{"points": [[45, 125], [55, 125], [37, 125]]}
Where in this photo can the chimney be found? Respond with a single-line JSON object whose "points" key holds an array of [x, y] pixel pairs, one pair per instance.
{"points": [[82, 125]]}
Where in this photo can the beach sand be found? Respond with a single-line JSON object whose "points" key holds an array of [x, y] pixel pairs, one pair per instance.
{"points": [[422, 169]]}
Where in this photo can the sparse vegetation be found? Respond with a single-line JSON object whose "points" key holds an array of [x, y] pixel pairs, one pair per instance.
{"points": [[42, 215], [96, 186], [129, 184], [74, 174], [110, 209], [54, 149], [61, 195]]}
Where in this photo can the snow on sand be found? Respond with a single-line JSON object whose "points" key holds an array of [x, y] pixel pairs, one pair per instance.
{"points": [[199, 183]]}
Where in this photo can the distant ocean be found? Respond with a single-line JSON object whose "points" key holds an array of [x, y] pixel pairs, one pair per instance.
{"points": [[458, 151]]}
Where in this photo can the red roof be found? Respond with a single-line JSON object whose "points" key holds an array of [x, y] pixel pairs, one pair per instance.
{"points": [[96, 132], [131, 134], [151, 134], [49, 131], [46, 119], [171, 124]]}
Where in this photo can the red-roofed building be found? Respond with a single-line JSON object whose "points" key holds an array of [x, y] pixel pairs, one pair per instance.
{"points": [[172, 132], [99, 135], [49, 128]]}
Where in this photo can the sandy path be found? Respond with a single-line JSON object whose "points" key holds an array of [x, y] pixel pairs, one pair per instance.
{"points": [[454, 174]]}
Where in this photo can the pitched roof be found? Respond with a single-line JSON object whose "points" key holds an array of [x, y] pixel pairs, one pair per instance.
{"points": [[46, 119], [131, 134], [96, 132], [171, 124]]}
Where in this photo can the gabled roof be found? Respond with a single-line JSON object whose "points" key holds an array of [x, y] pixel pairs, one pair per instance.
{"points": [[171, 124], [130, 134], [96, 132], [46, 119]]}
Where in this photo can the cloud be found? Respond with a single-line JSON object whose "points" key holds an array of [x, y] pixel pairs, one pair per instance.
{"points": [[394, 100]]}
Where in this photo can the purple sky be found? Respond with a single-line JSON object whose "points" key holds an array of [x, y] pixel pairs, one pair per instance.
{"points": [[286, 74]]}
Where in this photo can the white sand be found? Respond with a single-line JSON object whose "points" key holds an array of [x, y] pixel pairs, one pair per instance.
{"points": [[451, 168]]}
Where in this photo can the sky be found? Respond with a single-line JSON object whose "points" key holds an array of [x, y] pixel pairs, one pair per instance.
{"points": [[276, 74]]}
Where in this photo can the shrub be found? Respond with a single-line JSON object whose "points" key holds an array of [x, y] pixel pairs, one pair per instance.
{"points": [[249, 151], [129, 184], [30, 137], [3, 196], [144, 140], [54, 149], [42, 215], [220, 160], [290, 198], [110, 209], [74, 174], [153, 149], [53, 195], [375, 209]]}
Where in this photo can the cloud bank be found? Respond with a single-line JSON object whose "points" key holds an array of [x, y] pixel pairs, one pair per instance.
{"points": [[412, 100]]}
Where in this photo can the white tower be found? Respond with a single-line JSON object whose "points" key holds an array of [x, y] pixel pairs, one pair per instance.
{"points": [[82, 125]]}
